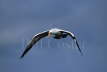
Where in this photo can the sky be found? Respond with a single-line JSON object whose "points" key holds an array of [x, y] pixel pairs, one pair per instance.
{"points": [[20, 20]]}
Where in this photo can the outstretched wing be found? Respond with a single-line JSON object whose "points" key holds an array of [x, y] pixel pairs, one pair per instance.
{"points": [[74, 38], [34, 40]]}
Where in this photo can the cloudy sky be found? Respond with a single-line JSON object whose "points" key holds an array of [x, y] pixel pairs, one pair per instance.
{"points": [[21, 19]]}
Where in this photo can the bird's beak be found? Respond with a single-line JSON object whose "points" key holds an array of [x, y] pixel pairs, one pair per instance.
{"points": [[49, 34]]}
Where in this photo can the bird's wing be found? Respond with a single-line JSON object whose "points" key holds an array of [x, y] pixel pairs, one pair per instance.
{"points": [[35, 39], [74, 38]]}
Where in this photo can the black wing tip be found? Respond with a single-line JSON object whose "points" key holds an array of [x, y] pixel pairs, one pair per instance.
{"points": [[78, 47], [21, 56], [81, 53]]}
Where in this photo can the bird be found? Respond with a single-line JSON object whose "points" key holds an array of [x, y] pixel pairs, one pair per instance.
{"points": [[55, 33]]}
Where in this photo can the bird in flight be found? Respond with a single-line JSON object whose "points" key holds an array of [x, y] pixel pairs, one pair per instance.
{"points": [[55, 33]]}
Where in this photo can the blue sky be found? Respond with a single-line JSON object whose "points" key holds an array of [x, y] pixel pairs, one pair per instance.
{"points": [[21, 19]]}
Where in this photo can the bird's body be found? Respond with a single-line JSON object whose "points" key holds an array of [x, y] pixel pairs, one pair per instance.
{"points": [[55, 33]]}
